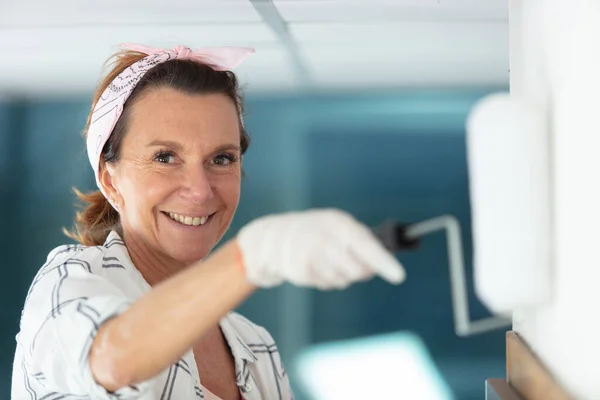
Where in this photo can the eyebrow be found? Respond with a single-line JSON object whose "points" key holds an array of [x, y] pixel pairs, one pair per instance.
{"points": [[177, 146], [225, 147], [165, 143]]}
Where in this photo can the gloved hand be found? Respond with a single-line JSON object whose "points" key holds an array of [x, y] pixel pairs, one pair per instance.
{"points": [[323, 248]]}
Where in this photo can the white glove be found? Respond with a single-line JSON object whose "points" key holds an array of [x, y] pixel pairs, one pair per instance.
{"points": [[324, 248]]}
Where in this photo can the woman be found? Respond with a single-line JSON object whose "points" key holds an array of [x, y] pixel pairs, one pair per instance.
{"points": [[140, 309]]}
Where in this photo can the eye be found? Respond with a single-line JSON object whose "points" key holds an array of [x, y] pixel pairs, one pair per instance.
{"points": [[164, 157], [224, 159]]}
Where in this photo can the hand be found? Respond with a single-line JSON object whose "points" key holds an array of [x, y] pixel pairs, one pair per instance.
{"points": [[323, 248]]}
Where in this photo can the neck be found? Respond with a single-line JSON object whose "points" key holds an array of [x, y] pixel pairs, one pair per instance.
{"points": [[154, 266]]}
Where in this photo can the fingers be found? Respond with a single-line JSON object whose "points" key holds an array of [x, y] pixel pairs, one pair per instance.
{"points": [[367, 248], [338, 268], [330, 278], [351, 267], [382, 263]]}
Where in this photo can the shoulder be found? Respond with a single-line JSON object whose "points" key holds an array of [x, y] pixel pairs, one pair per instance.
{"points": [[64, 252], [70, 253], [74, 272], [76, 260], [80, 253]]}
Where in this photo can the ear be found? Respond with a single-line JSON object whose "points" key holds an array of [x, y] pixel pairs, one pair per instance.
{"points": [[107, 178]]}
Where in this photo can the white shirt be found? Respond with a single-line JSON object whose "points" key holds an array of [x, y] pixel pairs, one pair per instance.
{"points": [[77, 290]]}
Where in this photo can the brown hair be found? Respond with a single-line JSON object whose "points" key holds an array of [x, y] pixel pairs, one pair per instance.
{"points": [[97, 217]]}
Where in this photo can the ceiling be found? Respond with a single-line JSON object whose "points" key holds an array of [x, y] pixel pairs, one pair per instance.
{"points": [[58, 47]]}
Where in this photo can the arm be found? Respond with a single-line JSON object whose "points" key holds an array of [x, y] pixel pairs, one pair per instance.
{"points": [[323, 248], [82, 335], [192, 302], [85, 336]]}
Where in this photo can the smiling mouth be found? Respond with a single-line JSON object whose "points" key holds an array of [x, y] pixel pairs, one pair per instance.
{"points": [[187, 219]]}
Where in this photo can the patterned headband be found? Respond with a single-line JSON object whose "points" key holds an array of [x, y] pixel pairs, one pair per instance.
{"points": [[109, 107]]}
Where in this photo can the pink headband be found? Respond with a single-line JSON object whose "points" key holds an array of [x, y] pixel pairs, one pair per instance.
{"points": [[109, 107]]}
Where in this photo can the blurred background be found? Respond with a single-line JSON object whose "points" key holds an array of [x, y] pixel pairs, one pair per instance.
{"points": [[355, 104]]}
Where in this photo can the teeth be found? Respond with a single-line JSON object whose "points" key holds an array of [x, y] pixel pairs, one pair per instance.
{"points": [[187, 220], [199, 221]]}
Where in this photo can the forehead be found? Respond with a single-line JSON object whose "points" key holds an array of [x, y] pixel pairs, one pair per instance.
{"points": [[168, 113]]}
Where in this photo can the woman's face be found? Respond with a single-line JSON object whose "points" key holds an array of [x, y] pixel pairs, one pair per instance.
{"points": [[177, 183]]}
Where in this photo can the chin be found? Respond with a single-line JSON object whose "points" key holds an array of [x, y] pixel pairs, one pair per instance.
{"points": [[189, 254]]}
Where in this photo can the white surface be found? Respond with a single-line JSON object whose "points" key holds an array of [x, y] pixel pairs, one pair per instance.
{"points": [[509, 172], [394, 366], [118, 12], [565, 333], [57, 48], [70, 59], [405, 53], [391, 10]]}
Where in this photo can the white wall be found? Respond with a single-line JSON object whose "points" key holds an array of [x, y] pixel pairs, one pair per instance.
{"points": [[560, 38]]}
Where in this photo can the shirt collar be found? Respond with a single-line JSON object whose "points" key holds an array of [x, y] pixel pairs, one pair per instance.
{"points": [[112, 239], [238, 347]]}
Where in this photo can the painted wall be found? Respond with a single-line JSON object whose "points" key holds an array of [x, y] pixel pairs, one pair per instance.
{"points": [[556, 69]]}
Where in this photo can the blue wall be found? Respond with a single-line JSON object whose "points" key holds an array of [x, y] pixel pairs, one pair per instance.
{"points": [[376, 155]]}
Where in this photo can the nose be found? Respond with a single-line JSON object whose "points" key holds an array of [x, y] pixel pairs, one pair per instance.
{"points": [[197, 186]]}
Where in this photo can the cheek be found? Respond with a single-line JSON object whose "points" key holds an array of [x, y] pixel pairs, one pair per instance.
{"points": [[144, 190], [229, 190]]}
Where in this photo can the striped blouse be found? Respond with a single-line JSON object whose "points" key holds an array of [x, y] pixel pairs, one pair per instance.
{"points": [[78, 289]]}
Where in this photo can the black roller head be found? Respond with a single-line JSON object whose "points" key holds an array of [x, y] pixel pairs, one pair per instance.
{"points": [[393, 236]]}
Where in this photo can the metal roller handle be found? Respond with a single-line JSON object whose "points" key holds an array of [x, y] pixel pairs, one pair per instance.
{"points": [[398, 237]]}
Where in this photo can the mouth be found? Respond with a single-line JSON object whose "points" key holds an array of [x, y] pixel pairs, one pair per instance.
{"points": [[189, 220]]}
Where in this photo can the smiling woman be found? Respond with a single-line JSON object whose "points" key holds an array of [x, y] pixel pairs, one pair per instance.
{"points": [[141, 308], [193, 175]]}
